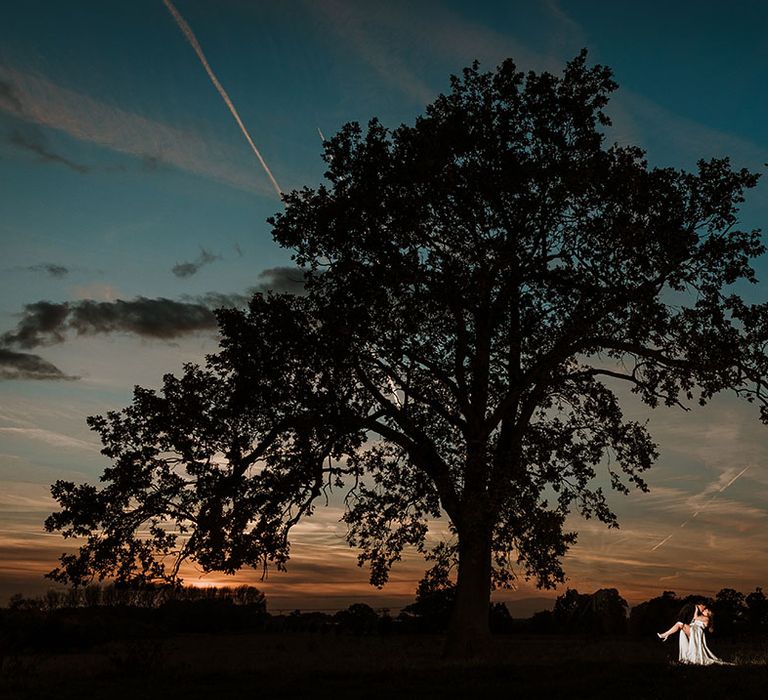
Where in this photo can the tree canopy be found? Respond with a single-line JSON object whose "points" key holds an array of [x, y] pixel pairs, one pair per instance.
{"points": [[478, 285]]}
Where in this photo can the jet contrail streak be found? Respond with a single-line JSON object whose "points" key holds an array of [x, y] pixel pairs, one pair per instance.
{"points": [[192, 39], [666, 539], [712, 498], [734, 479]]}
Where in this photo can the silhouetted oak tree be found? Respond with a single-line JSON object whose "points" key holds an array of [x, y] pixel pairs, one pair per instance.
{"points": [[478, 285]]}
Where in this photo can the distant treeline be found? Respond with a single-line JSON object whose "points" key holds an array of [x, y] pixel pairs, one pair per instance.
{"points": [[82, 617], [137, 596]]}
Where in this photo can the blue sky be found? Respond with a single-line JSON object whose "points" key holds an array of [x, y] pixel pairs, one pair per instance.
{"points": [[119, 161]]}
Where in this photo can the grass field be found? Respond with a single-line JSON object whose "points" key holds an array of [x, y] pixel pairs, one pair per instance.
{"points": [[315, 665]]}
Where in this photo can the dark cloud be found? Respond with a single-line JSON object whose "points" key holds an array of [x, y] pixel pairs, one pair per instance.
{"points": [[216, 300], [9, 97], [188, 269], [52, 269], [23, 365], [42, 323], [46, 323], [33, 140], [150, 318], [284, 280]]}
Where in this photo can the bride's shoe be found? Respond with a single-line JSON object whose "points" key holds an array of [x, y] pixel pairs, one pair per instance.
{"points": [[662, 637]]}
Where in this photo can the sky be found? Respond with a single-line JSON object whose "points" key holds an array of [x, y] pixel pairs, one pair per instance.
{"points": [[132, 203]]}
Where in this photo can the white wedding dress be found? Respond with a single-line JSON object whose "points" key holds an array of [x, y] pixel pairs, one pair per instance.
{"points": [[694, 649]]}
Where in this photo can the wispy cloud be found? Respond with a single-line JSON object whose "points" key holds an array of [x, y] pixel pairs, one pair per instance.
{"points": [[9, 100], [49, 437], [366, 30], [187, 269], [639, 120], [52, 269], [676, 135], [401, 41], [20, 496], [40, 101], [34, 141]]}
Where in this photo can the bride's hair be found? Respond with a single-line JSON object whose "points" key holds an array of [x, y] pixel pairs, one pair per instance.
{"points": [[686, 612], [709, 603]]}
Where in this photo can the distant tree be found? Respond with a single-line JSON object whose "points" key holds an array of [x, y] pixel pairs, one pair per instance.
{"points": [[607, 612], [730, 611], [601, 612], [500, 619], [757, 609], [435, 600], [250, 595], [478, 286], [542, 622], [358, 619], [567, 607]]}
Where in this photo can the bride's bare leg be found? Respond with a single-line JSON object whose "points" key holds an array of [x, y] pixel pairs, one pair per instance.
{"points": [[675, 628]]}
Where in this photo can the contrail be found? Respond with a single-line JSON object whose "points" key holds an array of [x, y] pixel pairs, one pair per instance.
{"points": [[712, 498], [664, 541], [192, 39]]}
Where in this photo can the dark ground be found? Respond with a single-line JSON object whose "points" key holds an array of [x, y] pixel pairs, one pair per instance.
{"points": [[305, 665]]}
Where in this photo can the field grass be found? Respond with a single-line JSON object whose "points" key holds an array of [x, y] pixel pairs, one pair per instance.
{"points": [[307, 665]]}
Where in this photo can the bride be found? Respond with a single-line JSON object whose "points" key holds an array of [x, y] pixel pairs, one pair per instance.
{"points": [[693, 641]]}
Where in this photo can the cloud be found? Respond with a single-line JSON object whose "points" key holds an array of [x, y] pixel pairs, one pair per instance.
{"points": [[33, 140], [49, 437], [217, 300], [420, 34], [52, 269], [686, 137], [365, 33], [151, 163], [42, 323], [283, 280], [40, 101], [22, 365], [30, 137], [47, 323], [188, 269], [9, 99]]}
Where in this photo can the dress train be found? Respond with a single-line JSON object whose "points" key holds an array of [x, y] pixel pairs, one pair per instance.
{"points": [[694, 649]]}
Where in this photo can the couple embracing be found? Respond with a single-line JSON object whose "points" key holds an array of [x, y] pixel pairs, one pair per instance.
{"points": [[692, 638]]}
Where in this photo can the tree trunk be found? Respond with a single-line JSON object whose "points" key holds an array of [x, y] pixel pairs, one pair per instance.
{"points": [[469, 633]]}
